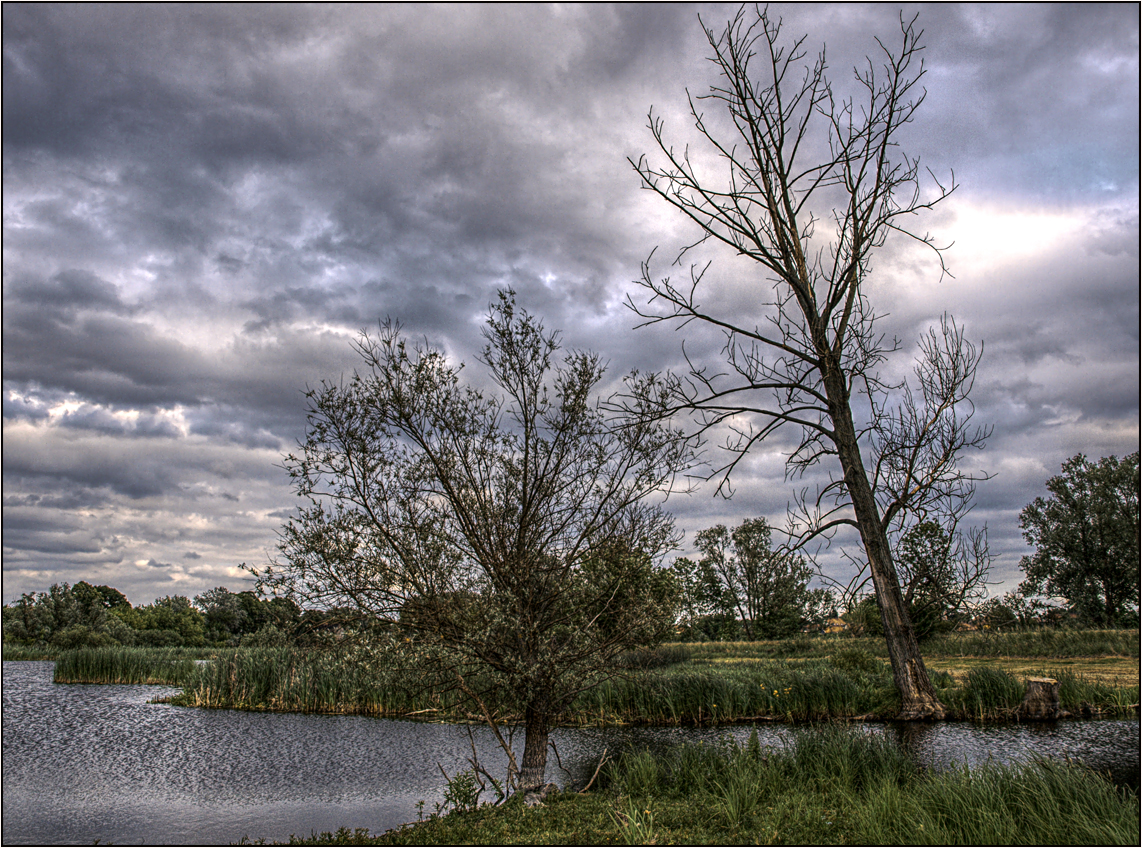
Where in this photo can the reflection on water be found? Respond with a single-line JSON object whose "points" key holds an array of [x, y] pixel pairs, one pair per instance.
{"points": [[82, 763]]}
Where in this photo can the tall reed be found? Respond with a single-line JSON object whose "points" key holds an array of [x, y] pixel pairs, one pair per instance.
{"points": [[1079, 694], [748, 690], [320, 681], [120, 664], [14, 652]]}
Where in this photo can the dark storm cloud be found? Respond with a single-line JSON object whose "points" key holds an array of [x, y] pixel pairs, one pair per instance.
{"points": [[69, 291], [205, 203]]}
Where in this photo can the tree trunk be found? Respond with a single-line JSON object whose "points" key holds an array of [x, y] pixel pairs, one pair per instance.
{"points": [[536, 729], [918, 699]]}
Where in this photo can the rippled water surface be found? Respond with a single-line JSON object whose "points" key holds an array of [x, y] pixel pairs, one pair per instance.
{"points": [[86, 763]]}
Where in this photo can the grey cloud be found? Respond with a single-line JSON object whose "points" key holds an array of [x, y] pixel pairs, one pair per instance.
{"points": [[28, 408], [236, 433], [203, 203], [1032, 96], [71, 291]]}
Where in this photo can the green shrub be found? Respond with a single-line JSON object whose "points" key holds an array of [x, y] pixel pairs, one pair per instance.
{"points": [[658, 657]]}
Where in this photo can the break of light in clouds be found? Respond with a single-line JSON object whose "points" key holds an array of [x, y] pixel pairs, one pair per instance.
{"points": [[203, 205]]}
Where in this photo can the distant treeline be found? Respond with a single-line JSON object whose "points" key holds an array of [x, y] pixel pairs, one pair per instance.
{"points": [[97, 616]]}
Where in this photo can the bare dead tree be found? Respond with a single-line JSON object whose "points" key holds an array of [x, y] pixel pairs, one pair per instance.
{"points": [[813, 364]]}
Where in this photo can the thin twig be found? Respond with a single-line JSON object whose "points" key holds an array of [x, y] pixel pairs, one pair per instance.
{"points": [[602, 760]]}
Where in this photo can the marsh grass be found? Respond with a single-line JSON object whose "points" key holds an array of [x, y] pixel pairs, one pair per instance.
{"points": [[16, 653], [318, 681], [669, 685], [840, 785], [174, 666], [658, 657], [741, 691], [1079, 694], [1031, 643], [831, 786], [990, 693]]}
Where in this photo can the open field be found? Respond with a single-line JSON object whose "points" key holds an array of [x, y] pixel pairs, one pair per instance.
{"points": [[1105, 656], [1113, 671]]}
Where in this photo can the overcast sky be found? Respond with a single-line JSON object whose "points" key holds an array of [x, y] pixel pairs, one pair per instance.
{"points": [[204, 204]]}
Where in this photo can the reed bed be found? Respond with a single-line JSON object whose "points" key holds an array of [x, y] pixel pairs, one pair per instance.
{"points": [[1038, 642], [658, 688], [810, 647], [740, 692], [988, 693], [669, 685], [316, 681], [1082, 695], [174, 666], [13, 652]]}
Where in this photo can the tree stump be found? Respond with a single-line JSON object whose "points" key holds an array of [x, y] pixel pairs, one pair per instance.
{"points": [[1041, 701]]}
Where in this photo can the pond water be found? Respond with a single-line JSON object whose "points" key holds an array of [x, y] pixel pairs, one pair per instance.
{"points": [[86, 763]]}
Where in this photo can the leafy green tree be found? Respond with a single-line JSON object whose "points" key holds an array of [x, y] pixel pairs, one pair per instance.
{"points": [[83, 636], [1085, 537], [504, 533], [28, 621], [229, 617], [224, 619], [67, 616], [699, 595], [1006, 613], [766, 590], [942, 575], [169, 621]]}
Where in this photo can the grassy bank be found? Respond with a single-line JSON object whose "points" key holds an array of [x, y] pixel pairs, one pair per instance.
{"points": [[836, 786], [674, 690], [712, 683]]}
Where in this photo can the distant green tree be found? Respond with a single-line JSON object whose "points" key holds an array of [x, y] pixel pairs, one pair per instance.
{"points": [[230, 617], [1006, 613], [943, 575], [169, 621], [224, 618], [700, 607], [766, 590], [27, 621], [1086, 539], [67, 616]]}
